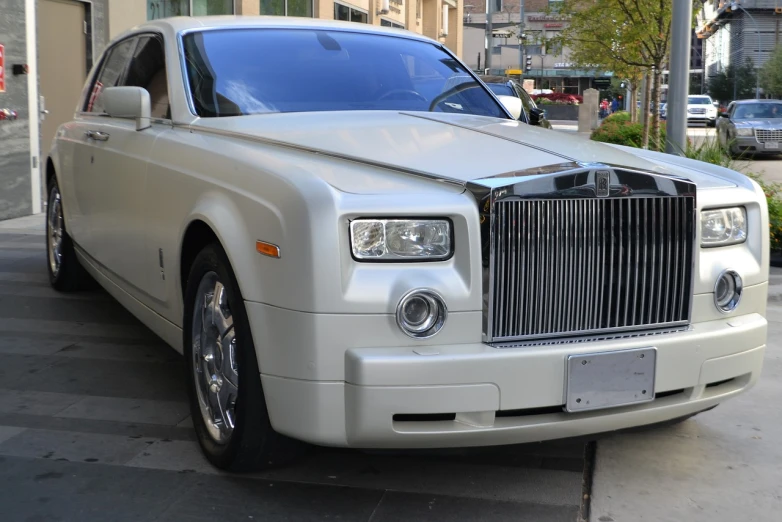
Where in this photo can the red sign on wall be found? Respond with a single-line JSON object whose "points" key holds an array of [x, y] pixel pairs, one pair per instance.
{"points": [[2, 68]]}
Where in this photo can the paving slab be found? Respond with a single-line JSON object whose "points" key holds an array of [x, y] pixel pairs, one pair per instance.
{"points": [[74, 446], [137, 411], [722, 465], [35, 403]]}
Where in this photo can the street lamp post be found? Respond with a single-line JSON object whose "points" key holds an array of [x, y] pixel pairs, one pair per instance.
{"points": [[733, 7], [521, 39]]}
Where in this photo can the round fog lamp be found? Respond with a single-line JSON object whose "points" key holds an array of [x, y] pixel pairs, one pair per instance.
{"points": [[421, 313], [727, 291]]}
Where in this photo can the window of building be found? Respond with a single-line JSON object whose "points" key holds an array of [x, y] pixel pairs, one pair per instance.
{"points": [[287, 7], [554, 5], [496, 6], [349, 14], [389, 23], [165, 8], [496, 50]]}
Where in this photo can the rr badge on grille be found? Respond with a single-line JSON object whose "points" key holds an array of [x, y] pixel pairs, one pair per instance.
{"points": [[602, 180]]}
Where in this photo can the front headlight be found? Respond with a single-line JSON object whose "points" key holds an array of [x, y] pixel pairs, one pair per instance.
{"points": [[724, 226], [744, 132], [401, 239]]}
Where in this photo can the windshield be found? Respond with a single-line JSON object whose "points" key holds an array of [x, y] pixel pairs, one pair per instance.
{"points": [[699, 101], [501, 89], [758, 110], [252, 71]]}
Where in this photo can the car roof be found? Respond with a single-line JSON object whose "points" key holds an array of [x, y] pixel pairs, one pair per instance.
{"points": [[180, 24], [745, 102]]}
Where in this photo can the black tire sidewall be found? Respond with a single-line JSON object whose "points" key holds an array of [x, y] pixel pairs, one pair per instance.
{"points": [[252, 430]]}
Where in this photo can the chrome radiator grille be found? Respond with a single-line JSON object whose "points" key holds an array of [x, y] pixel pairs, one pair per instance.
{"points": [[764, 135], [569, 267]]}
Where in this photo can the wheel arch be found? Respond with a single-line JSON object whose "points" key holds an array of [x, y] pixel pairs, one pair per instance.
{"points": [[217, 219]]}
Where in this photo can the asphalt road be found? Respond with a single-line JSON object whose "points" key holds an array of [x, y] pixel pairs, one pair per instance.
{"points": [[94, 426]]}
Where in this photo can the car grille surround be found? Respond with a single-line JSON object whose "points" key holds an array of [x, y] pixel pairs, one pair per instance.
{"points": [[768, 135], [562, 265]]}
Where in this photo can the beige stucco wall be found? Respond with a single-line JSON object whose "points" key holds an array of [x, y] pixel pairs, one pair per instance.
{"points": [[124, 14], [247, 7]]}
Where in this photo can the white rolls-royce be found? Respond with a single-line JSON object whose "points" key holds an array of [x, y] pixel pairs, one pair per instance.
{"points": [[355, 243]]}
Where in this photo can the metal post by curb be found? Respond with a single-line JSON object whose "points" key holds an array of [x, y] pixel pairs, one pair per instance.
{"points": [[679, 78]]}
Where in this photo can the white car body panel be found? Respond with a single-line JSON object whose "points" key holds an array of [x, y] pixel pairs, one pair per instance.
{"points": [[335, 366]]}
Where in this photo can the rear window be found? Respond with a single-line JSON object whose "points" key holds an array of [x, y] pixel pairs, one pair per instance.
{"points": [[501, 89]]}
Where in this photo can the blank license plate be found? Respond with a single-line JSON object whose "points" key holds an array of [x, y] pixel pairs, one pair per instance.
{"points": [[771, 145], [610, 379]]}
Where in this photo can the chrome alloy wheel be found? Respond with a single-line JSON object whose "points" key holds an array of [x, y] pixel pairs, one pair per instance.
{"points": [[215, 365], [55, 232]]}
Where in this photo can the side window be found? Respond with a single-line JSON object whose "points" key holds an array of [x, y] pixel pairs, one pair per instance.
{"points": [[148, 70], [525, 102], [113, 67]]}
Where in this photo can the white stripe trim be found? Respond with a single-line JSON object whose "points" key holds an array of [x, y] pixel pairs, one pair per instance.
{"points": [[32, 105]]}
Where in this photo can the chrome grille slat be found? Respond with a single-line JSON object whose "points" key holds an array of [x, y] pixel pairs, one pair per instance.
{"points": [[764, 135], [590, 265]]}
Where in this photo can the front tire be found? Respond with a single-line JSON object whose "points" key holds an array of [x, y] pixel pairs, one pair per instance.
{"points": [[65, 271], [227, 403]]}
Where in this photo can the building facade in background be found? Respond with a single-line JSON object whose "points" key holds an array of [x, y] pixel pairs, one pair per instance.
{"points": [[731, 34], [49, 47], [550, 64], [437, 19]]}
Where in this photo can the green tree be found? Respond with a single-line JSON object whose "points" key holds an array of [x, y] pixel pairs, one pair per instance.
{"points": [[735, 82], [622, 34], [771, 74]]}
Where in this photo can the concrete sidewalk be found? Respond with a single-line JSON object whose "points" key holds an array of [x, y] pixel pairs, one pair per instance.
{"points": [[34, 224]]}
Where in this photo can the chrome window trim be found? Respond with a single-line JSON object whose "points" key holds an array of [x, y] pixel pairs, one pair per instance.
{"points": [[411, 36]]}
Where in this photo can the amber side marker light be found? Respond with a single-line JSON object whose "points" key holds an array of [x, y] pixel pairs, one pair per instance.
{"points": [[267, 249]]}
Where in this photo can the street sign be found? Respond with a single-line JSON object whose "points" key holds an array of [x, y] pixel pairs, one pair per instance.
{"points": [[2, 68], [601, 83], [512, 71]]}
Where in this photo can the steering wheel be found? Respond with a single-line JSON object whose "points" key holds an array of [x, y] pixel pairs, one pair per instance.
{"points": [[402, 91]]}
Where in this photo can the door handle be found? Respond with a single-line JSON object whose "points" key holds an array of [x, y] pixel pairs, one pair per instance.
{"points": [[97, 135]]}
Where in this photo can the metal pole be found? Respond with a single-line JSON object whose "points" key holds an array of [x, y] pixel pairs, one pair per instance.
{"points": [[679, 77], [489, 31], [521, 40], [735, 6]]}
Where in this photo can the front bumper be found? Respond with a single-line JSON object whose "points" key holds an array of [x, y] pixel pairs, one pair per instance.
{"points": [[472, 394], [750, 144], [701, 118]]}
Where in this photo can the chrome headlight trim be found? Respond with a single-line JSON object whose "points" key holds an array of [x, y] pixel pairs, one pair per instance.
{"points": [[739, 229], [734, 281], [435, 319], [387, 230]]}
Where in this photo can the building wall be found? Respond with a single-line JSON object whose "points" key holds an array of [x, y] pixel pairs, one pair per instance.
{"points": [[123, 15], [20, 155], [15, 181]]}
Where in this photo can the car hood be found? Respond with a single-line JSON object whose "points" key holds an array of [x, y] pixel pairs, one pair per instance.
{"points": [[760, 123], [459, 148]]}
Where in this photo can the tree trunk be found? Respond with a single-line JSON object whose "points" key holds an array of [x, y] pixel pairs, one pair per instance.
{"points": [[645, 111], [633, 103], [655, 126]]}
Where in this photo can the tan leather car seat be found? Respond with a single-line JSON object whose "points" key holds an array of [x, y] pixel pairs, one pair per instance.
{"points": [[158, 95]]}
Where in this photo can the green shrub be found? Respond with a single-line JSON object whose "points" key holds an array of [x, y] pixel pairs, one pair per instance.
{"points": [[712, 152], [617, 117], [773, 193], [621, 132]]}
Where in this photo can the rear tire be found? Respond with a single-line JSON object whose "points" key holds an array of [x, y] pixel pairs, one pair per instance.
{"points": [[227, 403], [65, 272]]}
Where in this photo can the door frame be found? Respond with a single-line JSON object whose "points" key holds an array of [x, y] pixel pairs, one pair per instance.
{"points": [[37, 172]]}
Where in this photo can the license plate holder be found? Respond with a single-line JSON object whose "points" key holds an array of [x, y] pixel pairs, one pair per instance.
{"points": [[610, 379], [773, 145]]}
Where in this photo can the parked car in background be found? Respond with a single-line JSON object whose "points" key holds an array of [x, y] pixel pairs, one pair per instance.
{"points": [[531, 113], [751, 127], [388, 258], [701, 109]]}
